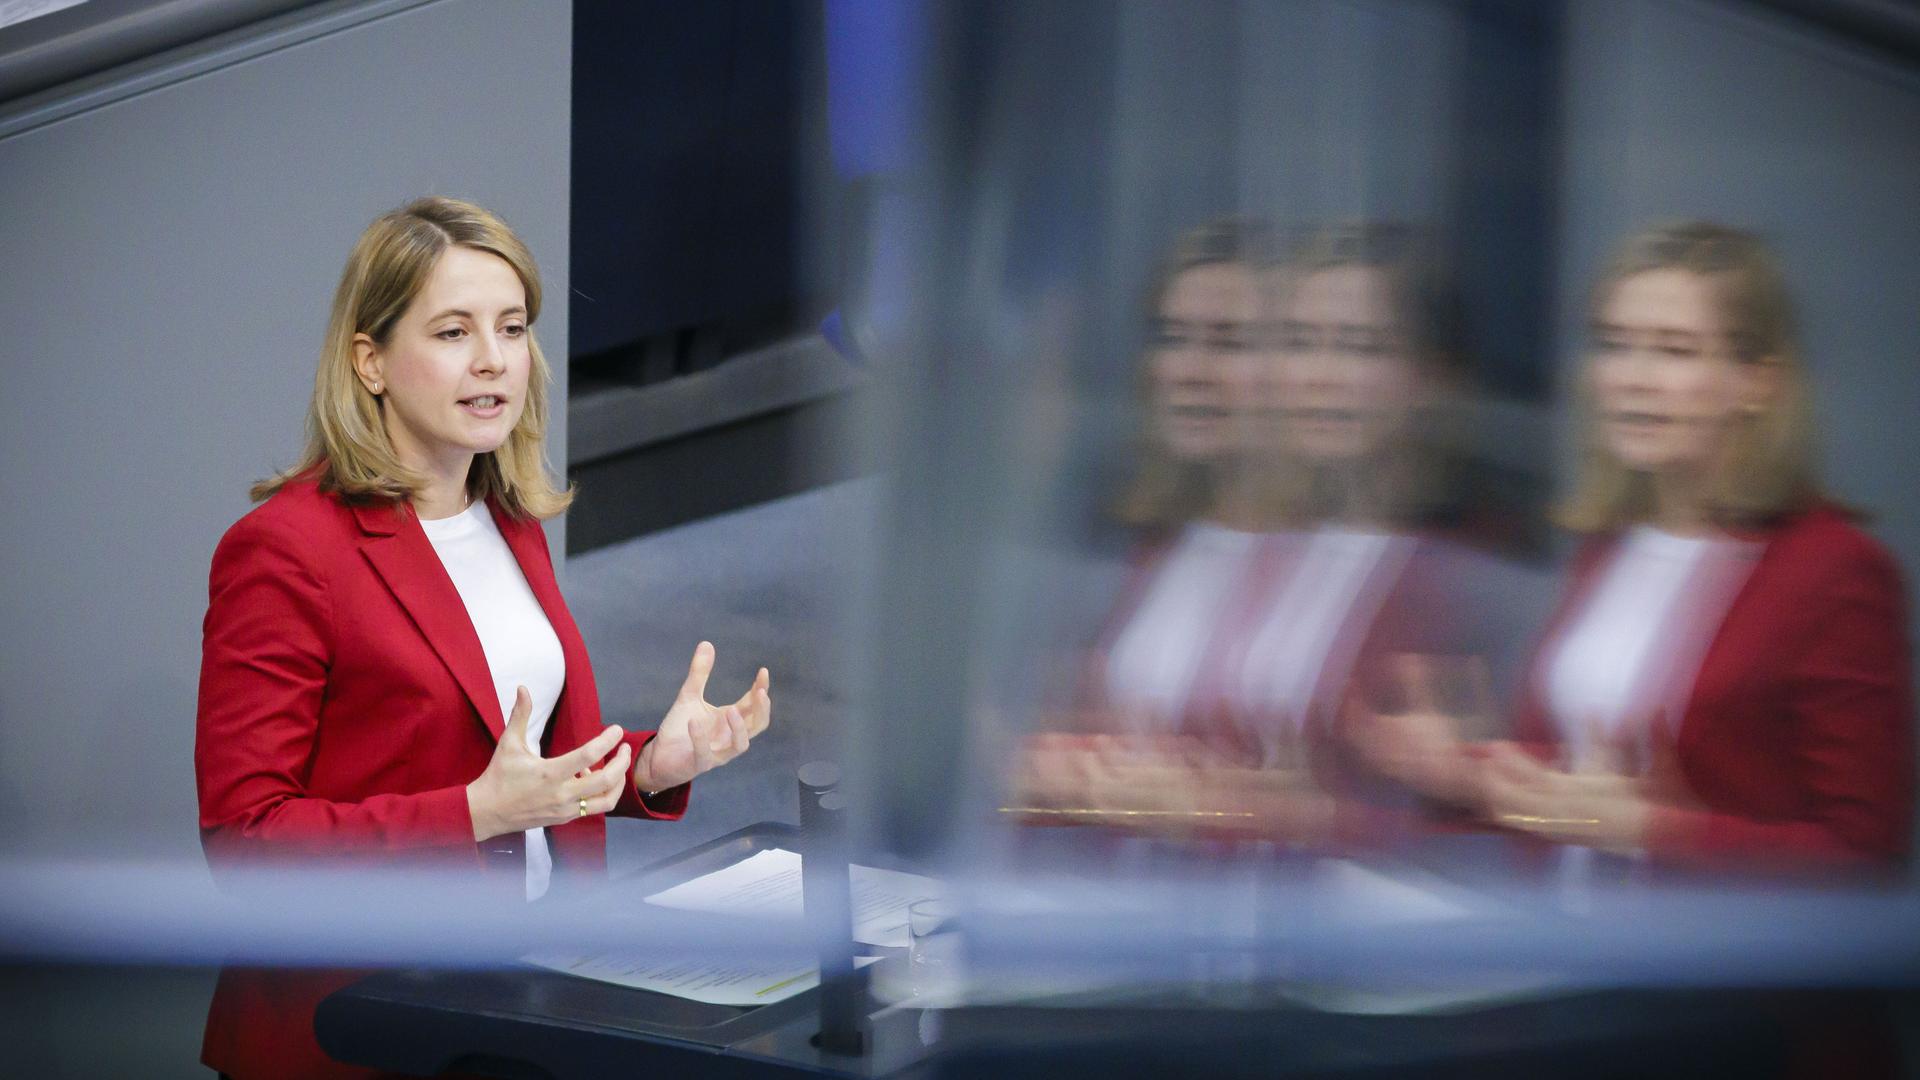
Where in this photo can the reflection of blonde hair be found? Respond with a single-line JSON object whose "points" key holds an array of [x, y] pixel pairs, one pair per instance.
{"points": [[1768, 468], [1412, 480], [1420, 290], [1166, 491], [347, 446]]}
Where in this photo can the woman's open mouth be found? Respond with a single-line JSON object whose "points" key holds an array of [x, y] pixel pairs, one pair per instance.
{"points": [[484, 406]]}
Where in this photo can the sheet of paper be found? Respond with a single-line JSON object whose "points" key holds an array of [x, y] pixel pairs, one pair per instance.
{"points": [[769, 884], [715, 984]]}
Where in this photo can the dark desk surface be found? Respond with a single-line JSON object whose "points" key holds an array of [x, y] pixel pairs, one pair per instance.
{"points": [[539, 1023]]}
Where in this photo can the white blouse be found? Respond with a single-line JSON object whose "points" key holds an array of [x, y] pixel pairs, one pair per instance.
{"points": [[520, 645]]}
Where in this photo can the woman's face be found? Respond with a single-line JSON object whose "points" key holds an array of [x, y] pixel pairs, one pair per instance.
{"points": [[453, 371], [1205, 365], [1347, 376], [1665, 379]]}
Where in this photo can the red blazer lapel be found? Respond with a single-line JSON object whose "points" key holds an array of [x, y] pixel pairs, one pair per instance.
{"points": [[403, 557], [577, 845], [528, 542], [578, 704]]}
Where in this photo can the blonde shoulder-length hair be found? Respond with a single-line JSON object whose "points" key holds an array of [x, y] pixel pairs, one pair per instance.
{"points": [[1768, 469], [347, 451]]}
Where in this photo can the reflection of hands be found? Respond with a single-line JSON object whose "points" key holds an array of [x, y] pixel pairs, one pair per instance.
{"points": [[1605, 810], [1053, 771], [1061, 772], [1421, 750], [1165, 784], [1419, 745], [522, 790], [1108, 774], [1601, 802], [694, 736]]}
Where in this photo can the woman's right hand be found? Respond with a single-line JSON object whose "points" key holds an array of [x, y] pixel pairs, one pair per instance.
{"points": [[522, 790]]}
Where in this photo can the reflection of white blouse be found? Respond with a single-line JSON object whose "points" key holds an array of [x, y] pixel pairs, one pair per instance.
{"points": [[1154, 663], [1302, 649], [1631, 652], [1265, 626], [1635, 637]]}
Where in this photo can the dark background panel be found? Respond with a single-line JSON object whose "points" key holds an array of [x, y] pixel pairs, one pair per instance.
{"points": [[692, 128]]}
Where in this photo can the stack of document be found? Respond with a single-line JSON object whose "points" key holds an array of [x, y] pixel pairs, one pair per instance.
{"points": [[765, 885]]}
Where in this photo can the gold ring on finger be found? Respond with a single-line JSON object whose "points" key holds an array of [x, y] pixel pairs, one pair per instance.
{"points": [[583, 808]]}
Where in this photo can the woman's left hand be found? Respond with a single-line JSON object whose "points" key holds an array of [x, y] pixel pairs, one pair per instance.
{"points": [[1608, 811], [694, 736]]}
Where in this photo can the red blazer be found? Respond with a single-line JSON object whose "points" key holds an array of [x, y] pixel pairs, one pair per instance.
{"points": [[1796, 745], [345, 704]]}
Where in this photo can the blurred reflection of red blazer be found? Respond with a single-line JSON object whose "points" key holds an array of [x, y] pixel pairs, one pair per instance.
{"points": [[345, 704], [1796, 744]]}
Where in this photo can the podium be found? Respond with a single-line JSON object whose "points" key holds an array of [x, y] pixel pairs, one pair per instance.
{"points": [[533, 1022], [536, 1024]]}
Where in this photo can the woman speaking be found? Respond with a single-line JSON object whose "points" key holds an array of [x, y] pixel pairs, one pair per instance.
{"points": [[389, 672]]}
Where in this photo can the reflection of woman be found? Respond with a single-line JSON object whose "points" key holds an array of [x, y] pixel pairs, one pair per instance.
{"points": [[1205, 368], [1367, 346], [1726, 687], [389, 672], [1154, 672], [1372, 584], [1314, 555]]}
